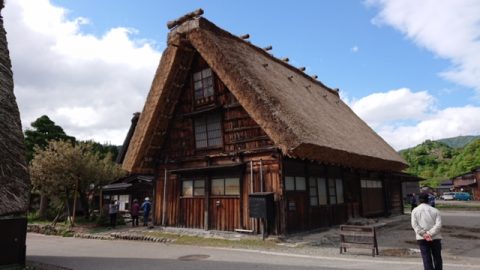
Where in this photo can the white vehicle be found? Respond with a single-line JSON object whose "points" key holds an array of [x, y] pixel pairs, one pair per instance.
{"points": [[448, 196]]}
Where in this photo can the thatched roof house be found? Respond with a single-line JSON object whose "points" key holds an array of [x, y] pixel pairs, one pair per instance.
{"points": [[226, 121], [303, 117]]}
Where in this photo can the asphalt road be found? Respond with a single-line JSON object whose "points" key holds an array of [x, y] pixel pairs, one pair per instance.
{"points": [[74, 253]]}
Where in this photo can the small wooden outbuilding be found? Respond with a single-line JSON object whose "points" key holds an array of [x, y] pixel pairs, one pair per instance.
{"points": [[225, 119]]}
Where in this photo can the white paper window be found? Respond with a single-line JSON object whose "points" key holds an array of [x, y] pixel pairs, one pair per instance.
{"points": [[203, 83], [289, 183], [208, 131]]}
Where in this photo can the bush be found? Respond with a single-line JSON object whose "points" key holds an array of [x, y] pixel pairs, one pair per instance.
{"points": [[104, 219]]}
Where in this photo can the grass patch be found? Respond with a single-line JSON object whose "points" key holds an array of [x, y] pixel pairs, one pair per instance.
{"points": [[216, 242]]}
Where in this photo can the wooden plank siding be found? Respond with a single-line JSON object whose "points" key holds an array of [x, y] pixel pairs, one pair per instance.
{"points": [[224, 213]]}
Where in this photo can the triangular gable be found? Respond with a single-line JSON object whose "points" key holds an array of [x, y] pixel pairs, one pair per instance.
{"points": [[304, 118]]}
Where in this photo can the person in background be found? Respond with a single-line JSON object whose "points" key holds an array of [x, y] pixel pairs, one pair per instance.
{"points": [[431, 199], [134, 211], [112, 212], [413, 201], [427, 223], [146, 207]]}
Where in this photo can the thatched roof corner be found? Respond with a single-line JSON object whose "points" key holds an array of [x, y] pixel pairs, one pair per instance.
{"points": [[14, 177], [303, 117], [128, 138]]}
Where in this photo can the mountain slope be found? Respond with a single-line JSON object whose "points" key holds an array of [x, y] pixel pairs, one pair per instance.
{"points": [[458, 142], [436, 161]]}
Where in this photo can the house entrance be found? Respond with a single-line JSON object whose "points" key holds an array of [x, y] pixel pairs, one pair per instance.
{"points": [[296, 193], [216, 199], [373, 199], [224, 203]]}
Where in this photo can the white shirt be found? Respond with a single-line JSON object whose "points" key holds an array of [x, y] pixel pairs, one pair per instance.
{"points": [[426, 219]]}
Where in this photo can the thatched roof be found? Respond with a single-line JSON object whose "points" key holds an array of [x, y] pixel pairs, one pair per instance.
{"points": [[304, 118], [14, 178], [128, 138]]}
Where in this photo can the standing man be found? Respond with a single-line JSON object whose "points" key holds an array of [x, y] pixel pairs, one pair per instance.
{"points": [[426, 222], [146, 206], [112, 212]]}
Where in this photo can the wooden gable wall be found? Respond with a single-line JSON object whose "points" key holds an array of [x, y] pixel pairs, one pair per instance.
{"points": [[243, 142]]}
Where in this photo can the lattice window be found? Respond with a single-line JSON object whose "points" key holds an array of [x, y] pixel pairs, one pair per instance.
{"points": [[208, 131], [295, 183], [192, 188], [225, 186], [203, 83]]}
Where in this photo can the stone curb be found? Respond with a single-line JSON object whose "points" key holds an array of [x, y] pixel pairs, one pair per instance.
{"points": [[123, 236]]}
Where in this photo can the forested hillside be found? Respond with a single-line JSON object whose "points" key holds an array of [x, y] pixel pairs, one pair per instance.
{"points": [[436, 161]]}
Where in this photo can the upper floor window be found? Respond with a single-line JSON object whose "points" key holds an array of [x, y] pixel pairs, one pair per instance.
{"points": [[208, 131], [203, 83]]}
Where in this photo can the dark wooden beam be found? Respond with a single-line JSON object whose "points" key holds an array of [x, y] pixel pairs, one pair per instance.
{"points": [[268, 48], [184, 18]]}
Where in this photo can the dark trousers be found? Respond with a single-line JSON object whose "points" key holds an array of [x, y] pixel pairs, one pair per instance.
{"points": [[134, 220], [113, 220], [431, 254], [145, 218]]}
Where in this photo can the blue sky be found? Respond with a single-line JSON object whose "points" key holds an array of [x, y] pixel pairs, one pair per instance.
{"points": [[404, 67]]}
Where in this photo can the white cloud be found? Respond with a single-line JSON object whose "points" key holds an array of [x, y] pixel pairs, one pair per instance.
{"points": [[354, 49], [88, 85], [395, 105], [450, 29], [405, 118]]}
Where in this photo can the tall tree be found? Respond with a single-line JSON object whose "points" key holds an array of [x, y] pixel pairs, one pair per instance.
{"points": [[43, 130], [64, 169]]}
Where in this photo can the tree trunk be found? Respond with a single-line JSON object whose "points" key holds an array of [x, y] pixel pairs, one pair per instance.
{"points": [[42, 211], [85, 204], [60, 211], [74, 214]]}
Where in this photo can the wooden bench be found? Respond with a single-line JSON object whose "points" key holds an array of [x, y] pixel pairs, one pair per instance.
{"points": [[354, 236]]}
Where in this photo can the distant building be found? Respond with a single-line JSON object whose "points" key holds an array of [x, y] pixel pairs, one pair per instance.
{"points": [[445, 186], [468, 182]]}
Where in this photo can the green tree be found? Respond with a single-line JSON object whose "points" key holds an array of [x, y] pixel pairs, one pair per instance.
{"points": [[64, 169], [103, 149], [43, 130]]}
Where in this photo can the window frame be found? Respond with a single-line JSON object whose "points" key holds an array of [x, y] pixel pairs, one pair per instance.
{"points": [[194, 187], [295, 184], [331, 195], [204, 85], [224, 181], [204, 125]]}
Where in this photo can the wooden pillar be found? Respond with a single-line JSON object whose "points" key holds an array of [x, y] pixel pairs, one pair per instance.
{"points": [[206, 218]]}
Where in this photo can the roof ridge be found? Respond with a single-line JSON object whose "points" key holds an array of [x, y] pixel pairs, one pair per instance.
{"points": [[192, 21]]}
